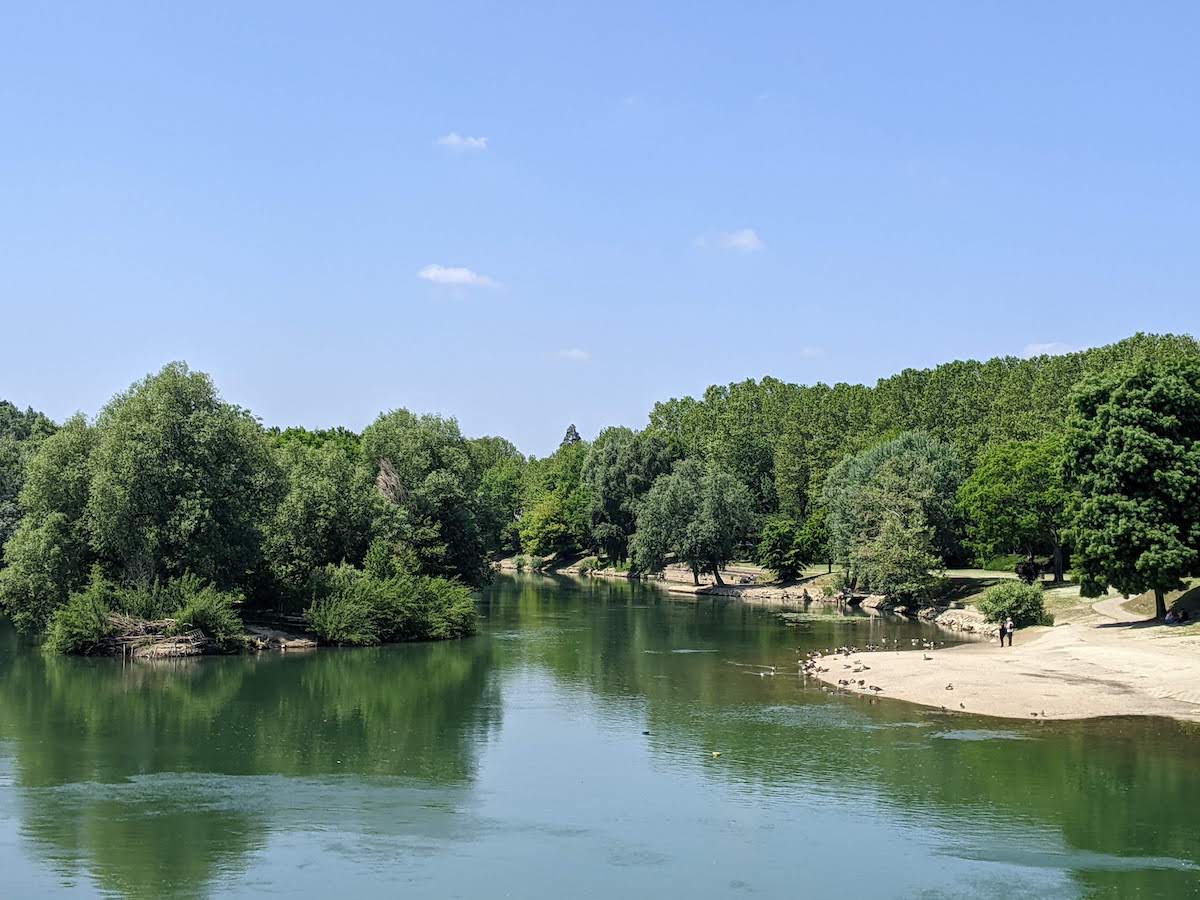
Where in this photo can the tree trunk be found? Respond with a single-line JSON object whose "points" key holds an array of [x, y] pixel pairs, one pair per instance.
{"points": [[829, 571], [695, 574], [717, 574], [1058, 563], [1160, 604]]}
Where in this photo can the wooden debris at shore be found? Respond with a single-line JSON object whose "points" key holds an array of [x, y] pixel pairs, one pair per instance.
{"points": [[136, 638]]}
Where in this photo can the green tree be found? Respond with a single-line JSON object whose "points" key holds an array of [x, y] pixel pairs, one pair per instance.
{"points": [[1132, 451], [699, 514], [181, 481], [571, 437], [1015, 499], [891, 512], [556, 505], [48, 555], [325, 515], [424, 469], [20, 434], [618, 470], [781, 547], [499, 502]]}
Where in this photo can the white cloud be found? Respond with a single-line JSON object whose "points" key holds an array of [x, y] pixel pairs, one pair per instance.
{"points": [[1050, 348], [744, 240], [456, 141], [458, 276], [810, 352], [574, 354]]}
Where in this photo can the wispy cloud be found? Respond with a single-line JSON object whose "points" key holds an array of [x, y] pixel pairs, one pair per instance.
{"points": [[1050, 348], [456, 141], [458, 276], [809, 352], [574, 354], [744, 240]]}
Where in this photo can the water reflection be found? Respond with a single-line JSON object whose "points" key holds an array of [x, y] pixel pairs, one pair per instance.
{"points": [[570, 748], [162, 775]]}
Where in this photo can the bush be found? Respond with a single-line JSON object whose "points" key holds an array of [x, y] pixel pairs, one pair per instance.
{"points": [[198, 604], [354, 607], [1024, 602], [82, 622]]}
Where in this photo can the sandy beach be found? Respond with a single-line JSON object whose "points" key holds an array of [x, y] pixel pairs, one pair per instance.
{"points": [[1108, 663]]}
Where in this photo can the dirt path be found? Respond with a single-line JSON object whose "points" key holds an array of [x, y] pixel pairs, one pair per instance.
{"points": [[1110, 663]]}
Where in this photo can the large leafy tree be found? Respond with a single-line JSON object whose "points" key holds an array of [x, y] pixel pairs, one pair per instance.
{"points": [[700, 514], [891, 512], [781, 547], [20, 434], [1133, 462], [181, 481], [425, 471], [617, 472], [1015, 499], [325, 515], [49, 554], [555, 503], [501, 469]]}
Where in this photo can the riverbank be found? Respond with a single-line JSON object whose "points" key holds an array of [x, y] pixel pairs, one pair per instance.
{"points": [[1111, 662], [741, 581]]}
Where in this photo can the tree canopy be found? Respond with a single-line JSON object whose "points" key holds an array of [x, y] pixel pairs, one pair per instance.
{"points": [[891, 512], [699, 514], [1015, 500], [1132, 459]]}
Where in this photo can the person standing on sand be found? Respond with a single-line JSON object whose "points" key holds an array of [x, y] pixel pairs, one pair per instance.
{"points": [[1009, 628]]}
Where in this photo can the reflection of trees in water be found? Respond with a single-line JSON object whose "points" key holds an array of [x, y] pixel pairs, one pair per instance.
{"points": [[89, 737], [1116, 788]]}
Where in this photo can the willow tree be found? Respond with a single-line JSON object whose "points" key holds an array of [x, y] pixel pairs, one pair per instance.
{"points": [[700, 514]]}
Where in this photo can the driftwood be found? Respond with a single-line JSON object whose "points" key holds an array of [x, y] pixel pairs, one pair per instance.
{"points": [[150, 639]]}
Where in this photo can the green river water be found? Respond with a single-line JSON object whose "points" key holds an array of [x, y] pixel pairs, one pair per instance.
{"points": [[567, 751]]}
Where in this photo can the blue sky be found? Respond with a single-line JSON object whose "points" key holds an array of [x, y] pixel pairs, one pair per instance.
{"points": [[525, 215]]}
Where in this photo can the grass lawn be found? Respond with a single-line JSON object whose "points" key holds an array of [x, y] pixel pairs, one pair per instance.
{"points": [[1188, 599]]}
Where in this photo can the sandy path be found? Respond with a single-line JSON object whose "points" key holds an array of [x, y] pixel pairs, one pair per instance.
{"points": [[1110, 664]]}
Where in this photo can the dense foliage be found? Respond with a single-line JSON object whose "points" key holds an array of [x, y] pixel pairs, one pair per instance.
{"points": [[357, 607], [182, 506], [20, 434], [1025, 603], [891, 514], [1133, 453], [699, 514], [1086, 456], [1016, 498]]}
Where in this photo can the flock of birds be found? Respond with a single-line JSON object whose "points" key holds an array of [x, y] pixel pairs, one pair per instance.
{"points": [[818, 662]]}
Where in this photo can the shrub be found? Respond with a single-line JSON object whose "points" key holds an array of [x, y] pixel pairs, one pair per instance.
{"points": [[1024, 602], [200, 605], [355, 607], [588, 564], [82, 622]]}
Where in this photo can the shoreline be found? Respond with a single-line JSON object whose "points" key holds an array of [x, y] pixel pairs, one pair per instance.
{"points": [[1111, 663]]}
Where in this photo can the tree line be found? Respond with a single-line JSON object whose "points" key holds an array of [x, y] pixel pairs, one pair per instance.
{"points": [[1087, 459]]}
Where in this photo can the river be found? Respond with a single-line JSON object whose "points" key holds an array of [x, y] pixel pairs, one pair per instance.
{"points": [[569, 750]]}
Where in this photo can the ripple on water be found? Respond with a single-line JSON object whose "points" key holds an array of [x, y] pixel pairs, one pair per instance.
{"points": [[980, 734]]}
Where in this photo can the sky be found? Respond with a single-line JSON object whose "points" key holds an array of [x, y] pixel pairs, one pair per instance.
{"points": [[528, 215]]}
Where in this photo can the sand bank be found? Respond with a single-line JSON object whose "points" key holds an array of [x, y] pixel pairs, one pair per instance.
{"points": [[1109, 663]]}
